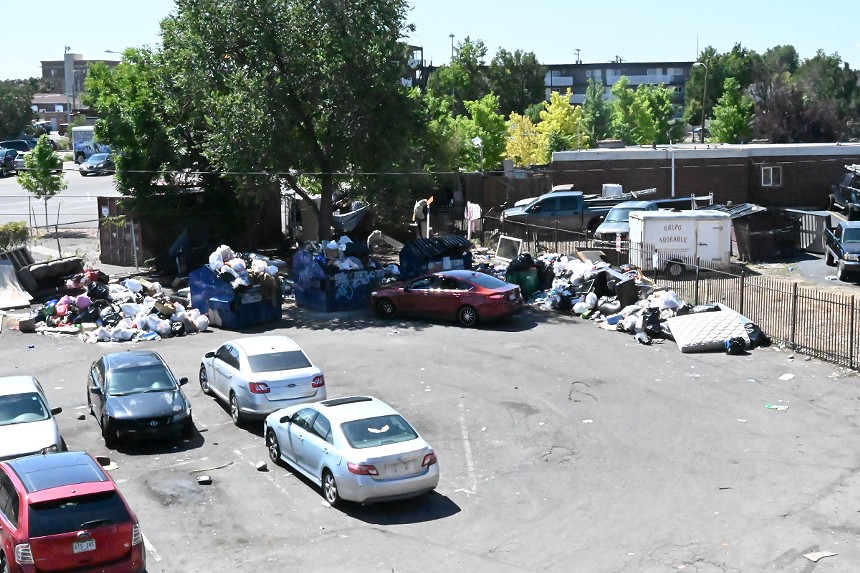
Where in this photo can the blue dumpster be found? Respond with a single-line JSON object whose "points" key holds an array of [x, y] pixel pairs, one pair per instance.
{"points": [[233, 309], [328, 289]]}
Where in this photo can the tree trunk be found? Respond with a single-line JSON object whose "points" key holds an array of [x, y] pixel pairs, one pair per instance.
{"points": [[46, 214], [327, 182]]}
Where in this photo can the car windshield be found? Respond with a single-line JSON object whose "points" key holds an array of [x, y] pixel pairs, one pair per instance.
{"points": [[21, 408], [139, 379], [378, 431], [620, 214], [77, 513], [274, 361], [98, 158], [487, 281], [851, 236]]}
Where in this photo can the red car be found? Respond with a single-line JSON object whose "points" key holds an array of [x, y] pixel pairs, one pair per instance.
{"points": [[62, 512], [465, 296]]}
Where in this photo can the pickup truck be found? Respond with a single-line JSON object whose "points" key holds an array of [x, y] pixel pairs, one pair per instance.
{"points": [[567, 209], [845, 195], [842, 248]]}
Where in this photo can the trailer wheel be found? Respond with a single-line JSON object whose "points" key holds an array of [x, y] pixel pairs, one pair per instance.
{"points": [[675, 269]]}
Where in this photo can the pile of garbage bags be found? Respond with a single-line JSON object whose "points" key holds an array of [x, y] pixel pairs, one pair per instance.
{"points": [[130, 310]]}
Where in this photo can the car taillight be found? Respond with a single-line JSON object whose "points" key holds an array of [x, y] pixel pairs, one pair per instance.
{"points": [[497, 296], [362, 469], [23, 554], [429, 459], [136, 535], [258, 387], [319, 381]]}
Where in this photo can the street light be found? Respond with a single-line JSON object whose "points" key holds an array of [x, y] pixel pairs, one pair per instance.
{"points": [[452, 46], [704, 96]]}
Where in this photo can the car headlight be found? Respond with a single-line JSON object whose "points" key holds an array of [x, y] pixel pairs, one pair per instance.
{"points": [[852, 257], [100, 165], [51, 449], [179, 412]]}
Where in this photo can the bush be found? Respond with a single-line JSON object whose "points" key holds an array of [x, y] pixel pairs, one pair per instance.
{"points": [[13, 235]]}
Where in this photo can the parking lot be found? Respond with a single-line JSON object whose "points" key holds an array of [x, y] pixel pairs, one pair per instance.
{"points": [[562, 447]]}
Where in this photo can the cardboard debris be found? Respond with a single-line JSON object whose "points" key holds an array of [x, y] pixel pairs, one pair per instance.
{"points": [[815, 556]]}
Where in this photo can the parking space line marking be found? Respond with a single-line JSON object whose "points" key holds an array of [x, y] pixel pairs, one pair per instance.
{"points": [[268, 477], [150, 548], [470, 465]]}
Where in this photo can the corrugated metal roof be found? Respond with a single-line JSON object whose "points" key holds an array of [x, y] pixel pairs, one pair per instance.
{"points": [[739, 210]]}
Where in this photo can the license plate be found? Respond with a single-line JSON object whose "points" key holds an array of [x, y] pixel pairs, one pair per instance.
{"points": [[82, 546], [252, 298], [512, 296]]}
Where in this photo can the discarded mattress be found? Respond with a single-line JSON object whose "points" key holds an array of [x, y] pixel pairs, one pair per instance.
{"points": [[11, 293], [707, 331]]}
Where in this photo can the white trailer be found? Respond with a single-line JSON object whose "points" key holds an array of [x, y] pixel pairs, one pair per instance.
{"points": [[84, 144], [666, 239]]}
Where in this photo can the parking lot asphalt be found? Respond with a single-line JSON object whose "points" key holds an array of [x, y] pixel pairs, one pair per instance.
{"points": [[562, 447]]}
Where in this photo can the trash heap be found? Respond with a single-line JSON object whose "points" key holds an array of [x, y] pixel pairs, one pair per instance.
{"points": [[623, 299], [241, 270], [133, 309]]}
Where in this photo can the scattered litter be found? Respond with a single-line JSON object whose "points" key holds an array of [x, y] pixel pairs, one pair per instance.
{"points": [[426, 389], [82, 416], [588, 421], [483, 428], [815, 556], [741, 420], [541, 423], [262, 467], [214, 468], [204, 480], [791, 356], [725, 487], [830, 277], [780, 407], [785, 377], [31, 346]]}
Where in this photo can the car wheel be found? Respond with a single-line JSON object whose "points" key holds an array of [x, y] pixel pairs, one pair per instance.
{"points": [[841, 273], [204, 381], [3, 172], [188, 429], [385, 308], [853, 212], [829, 260], [83, 174], [467, 316], [675, 269], [80, 158], [273, 446], [90, 404], [63, 446], [109, 433], [234, 409], [329, 487]]}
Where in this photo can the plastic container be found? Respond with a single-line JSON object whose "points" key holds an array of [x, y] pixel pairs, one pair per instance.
{"points": [[527, 281]]}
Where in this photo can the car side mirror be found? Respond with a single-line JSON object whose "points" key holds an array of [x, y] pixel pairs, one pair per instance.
{"points": [[183, 381], [535, 209], [284, 420], [210, 354], [95, 390], [55, 411]]}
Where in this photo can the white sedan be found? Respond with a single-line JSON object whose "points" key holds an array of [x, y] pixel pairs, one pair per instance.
{"points": [[257, 375], [356, 449], [27, 424]]}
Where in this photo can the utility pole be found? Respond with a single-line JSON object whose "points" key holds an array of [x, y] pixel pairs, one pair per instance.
{"points": [[578, 61]]}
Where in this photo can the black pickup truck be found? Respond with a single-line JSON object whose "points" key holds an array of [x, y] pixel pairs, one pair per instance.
{"points": [[845, 195], [842, 248]]}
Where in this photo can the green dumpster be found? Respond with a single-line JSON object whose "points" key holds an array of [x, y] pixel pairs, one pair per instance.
{"points": [[527, 281]]}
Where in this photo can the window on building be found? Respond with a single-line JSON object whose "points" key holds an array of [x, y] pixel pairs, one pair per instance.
{"points": [[653, 71], [771, 176]]}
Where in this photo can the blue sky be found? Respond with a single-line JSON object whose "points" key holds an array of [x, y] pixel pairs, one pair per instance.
{"points": [[635, 31]]}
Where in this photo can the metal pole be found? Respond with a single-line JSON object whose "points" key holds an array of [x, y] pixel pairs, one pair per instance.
{"points": [[134, 245], [851, 337], [672, 151], [793, 315], [743, 277], [704, 102]]}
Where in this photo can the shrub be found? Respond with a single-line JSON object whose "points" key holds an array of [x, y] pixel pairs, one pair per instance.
{"points": [[13, 235]]}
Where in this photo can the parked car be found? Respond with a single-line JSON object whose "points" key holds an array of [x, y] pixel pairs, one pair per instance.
{"points": [[63, 512], [134, 394], [356, 449], [27, 423], [17, 144], [469, 297], [258, 375], [617, 222], [21, 161], [7, 161], [842, 248], [845, 194], [97, 164]]}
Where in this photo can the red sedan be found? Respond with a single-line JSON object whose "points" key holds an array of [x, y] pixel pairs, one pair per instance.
{"points": [[465, 296]]}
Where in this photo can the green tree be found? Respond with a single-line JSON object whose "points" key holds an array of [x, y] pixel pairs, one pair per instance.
{"points": [[623, 125], [486, 123], [653, 115], [733, 114], [16, 97], [518, 79], [465, 79], [43, 176], [561, 126], [596, 113], [523, 146]]}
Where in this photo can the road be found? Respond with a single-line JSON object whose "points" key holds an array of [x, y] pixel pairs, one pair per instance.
{"points": [[76, 206], [562, 447]]}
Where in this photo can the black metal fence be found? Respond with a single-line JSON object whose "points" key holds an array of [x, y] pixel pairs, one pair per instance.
{"points": [[818, 323]]}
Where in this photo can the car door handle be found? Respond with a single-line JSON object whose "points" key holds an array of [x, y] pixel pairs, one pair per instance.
{"points": [[325, 451]]}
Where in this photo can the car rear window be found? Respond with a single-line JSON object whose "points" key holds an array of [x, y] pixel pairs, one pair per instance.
{"points": [[378, 431], [274, 361], [77, 513], [487, 281], [21, 408]]}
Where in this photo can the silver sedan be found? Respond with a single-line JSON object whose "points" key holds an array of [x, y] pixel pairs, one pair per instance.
{"points": [[356, 449]]}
